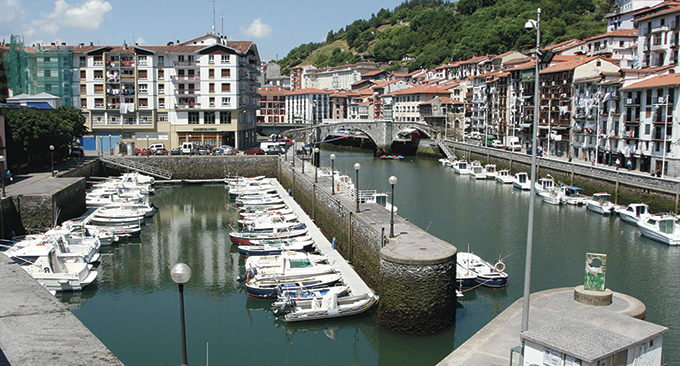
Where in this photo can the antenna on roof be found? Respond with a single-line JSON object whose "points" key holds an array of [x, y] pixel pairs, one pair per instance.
{"points": [[213, 26], [222, 18]]}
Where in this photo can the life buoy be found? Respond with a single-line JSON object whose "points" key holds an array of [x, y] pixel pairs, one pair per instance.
{"points": [[499, 267], [248, 277]]}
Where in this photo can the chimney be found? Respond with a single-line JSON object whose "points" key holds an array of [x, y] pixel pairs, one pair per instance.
{"points": [[53, 44], [63, 44], [171, 43], [178, 41]]}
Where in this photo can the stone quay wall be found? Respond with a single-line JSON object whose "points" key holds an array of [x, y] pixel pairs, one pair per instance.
{"points": [[210, 167], [625, 187], [417, 296], [38, 212]]}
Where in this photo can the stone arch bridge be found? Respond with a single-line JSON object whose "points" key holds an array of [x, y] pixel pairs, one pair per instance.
{"points": [[383, 133]]}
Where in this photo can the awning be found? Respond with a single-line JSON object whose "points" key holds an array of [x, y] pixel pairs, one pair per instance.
{"points": [[525, 125]]}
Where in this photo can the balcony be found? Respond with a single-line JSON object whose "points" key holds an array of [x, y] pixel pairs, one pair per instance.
{"points": [[632, 101], [186, 63], [176, 78], [632, 121], [111, 64], [658, 47], [630, 135], [660, 28], [188, 106], [186, 92], [660, 121]]}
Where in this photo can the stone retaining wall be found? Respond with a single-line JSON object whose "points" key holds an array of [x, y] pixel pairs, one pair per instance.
{"points": [[211, 167]]}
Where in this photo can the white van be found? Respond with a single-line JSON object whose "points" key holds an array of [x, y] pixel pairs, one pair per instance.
{"points": [[188, 148], [155, 147], [268, 145]]}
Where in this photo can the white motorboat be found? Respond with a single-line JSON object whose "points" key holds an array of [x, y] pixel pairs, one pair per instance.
{"points": [[477, 172], [490, 170], [252, 189], [126, 182], [242, 180], [504, 177], [600, 203], [634, 212], [487, 274], [461, 167], [263, 208], [258, 200], [283, 233], [544, 184], [245, 215], [147, 208], [269, 219], [116, 216], [299, 295], [269, 288], [288, 265], [554, 196], [465, 278], [101, 196], [330, 306], [572, 196], [274, 249], [662, 228], [522, 181], [55, 272]]}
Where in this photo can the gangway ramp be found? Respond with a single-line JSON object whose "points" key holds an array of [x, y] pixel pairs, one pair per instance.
{"points": [[131, 164], [446, 150]]}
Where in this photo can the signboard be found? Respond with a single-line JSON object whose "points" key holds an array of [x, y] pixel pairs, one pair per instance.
{"points": [[205, 129], [596, 268]]}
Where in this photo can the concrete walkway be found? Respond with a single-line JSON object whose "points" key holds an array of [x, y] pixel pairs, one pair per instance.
{"points": [[37, 329], [492, 344]]}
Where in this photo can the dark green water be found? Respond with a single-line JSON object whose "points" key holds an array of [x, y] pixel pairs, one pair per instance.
{"points": [[134, 308]]}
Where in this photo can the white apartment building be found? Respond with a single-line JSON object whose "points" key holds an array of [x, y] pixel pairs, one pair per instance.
{"points": [[308, 106], [337, 77], [203, 90], [406, 102], [620, 45], [658, 37]]}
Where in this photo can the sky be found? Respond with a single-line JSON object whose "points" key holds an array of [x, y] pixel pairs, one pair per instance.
{"points": [[276, 27]]}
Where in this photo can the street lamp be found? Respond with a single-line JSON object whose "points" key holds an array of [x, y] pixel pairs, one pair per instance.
{"points": [[531, 24], [2, 160], [181, 273], [101, 145], [148, 152], [357, 166], [393, 181], [52, 158], [110, 147], [316, 164], [332, 174]]}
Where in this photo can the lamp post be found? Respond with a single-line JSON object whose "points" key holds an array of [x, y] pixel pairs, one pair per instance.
{"points": [[148, 153], [332, 174], [531, 24], [101, 145], [2, 160], [110, 147], [357, 166], [52, 158], [392, 180], [316, 164], [181, 273]]}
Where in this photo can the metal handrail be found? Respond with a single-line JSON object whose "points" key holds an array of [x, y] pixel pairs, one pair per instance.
{"points": [[137, 166]]}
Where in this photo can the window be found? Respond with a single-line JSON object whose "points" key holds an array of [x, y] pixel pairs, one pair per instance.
{"points": [[48, 87], [83, 74], [141, 59], [190, 58], [225, 59], [225, 117], [211, 73], [161, 74], [648, 129], [98, 88], [211, 100], [211, 59], [211, 87], [193, 118], [83, 89], [162, 117], [143, 89], [99, 103], [83, 62], [209, 118], [161, 102], [161, 88], [142, 74], [83, 103], [143, 102], [161, 60], [226, 102], [47, 73], [226, 73], [226, 87], [180, 58]]}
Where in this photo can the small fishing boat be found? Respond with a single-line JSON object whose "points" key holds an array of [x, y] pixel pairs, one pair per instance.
{"points": [[116, 216], [288, 265], [465, 278], [307, 294], [269, 288], [242, 180], [329, 306], [490, 170], [522, 181], [258, 200], [461, 167], [477, 172], [554, 196], [572, 196], [599, 203], [504, 177], [634, 213], [490, 275], [241, 238], [662, 228], [274, 249], [544, 184]]}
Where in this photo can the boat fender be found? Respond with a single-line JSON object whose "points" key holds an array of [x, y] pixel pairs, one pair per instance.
{"points": [[338, 187], [499, 267]]}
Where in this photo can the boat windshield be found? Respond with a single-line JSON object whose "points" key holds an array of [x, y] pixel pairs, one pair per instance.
{"points": [[667, 226], [300, 263]]}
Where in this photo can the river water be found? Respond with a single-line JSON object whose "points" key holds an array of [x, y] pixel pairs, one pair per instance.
{"points": [[133, 307]]}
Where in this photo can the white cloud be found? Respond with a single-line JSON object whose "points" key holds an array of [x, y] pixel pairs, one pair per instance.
{"points": [[257, 29], [87, 16], [11, 11]]}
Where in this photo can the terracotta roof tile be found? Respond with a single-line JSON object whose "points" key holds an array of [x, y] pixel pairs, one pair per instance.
{"points": [[422, 89], [655, 82]]}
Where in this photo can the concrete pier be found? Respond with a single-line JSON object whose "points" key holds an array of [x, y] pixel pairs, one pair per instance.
{"points": [[37, 329]]}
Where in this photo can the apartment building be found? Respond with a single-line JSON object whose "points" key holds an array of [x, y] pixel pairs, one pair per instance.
{"points": [[659, 28], [297, 76], [203, 90], [337, 77], [406, 102], [272, 104], [308, 106]]}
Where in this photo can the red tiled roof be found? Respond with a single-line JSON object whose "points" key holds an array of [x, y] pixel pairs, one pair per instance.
{"points": [[309, 91], [422, 89], [273, 90], [567, 65], [655, 82], [658, 10], [617, 33]]}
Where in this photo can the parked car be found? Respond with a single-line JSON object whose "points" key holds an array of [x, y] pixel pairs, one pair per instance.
{"points": [[275, 150], [228, 150], [539, 152], [253, 151], [203, 150], [144, 151], [498, 144], [161, 152], [176, 151], [286, 141]]}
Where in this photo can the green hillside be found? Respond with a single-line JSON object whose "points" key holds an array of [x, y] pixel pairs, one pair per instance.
{"points": [[435, 31]]}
